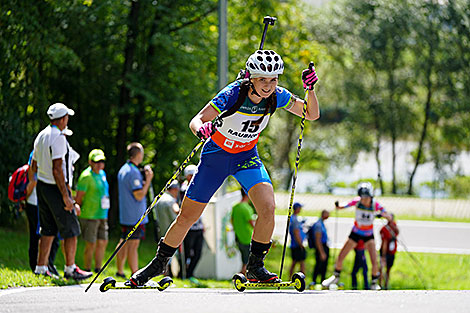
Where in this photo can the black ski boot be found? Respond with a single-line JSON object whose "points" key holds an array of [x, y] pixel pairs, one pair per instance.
{"points": [[156, 267], [255, 270]]}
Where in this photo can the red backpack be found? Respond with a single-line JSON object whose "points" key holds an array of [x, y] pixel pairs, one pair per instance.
{"points": [[17, 184]]}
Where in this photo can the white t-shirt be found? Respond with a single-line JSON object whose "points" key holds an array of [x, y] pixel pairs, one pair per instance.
{"points": [[33, 198], [51, 144]]}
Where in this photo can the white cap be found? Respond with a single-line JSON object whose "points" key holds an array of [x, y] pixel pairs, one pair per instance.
{"points": [[58, 110], [190, 170], [174, 184]]}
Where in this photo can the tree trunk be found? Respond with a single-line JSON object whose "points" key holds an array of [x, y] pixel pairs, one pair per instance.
{"points": [[394, 161], [124, 100], [377, 154], [427, 112], [124, 96]]}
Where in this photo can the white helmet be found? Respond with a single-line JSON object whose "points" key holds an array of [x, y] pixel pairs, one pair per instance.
{"points": [[264, 63], [365, 189], [190, 170]]}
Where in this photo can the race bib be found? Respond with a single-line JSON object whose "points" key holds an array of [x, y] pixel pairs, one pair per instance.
{"points": [[364, 217], [105, 204]]}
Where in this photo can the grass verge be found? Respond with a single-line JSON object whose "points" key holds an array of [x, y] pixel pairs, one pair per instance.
{"points": [[433, 271]]}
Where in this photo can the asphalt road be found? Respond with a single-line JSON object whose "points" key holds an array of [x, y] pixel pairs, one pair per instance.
{"points": [[416, 236], [74, 299]]}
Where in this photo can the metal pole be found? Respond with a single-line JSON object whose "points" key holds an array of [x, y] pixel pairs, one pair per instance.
{"points": [[222, 54], [222, 60]]}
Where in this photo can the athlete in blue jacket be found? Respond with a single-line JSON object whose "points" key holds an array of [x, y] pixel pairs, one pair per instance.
{"points": [[241, 111]]}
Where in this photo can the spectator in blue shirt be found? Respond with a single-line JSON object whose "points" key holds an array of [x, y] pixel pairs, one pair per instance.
{"points": [[318, 239], [133, 188], [297, 238]]}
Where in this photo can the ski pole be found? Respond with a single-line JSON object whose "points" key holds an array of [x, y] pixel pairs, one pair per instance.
{"points": [[417, 264], [268, 20], [154, 202], [297, 160]]}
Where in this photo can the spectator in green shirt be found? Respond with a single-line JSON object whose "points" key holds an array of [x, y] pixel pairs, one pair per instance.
{"points": [[93, 197], [243, 222]]}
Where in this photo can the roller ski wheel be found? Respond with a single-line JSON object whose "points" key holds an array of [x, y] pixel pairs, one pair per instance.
{"points": [[164, 283], [241, 283], [108, 283], [298, 281]]}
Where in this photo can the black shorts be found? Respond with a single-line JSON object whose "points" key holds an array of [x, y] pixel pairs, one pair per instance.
{"points": [[52, 216], [138, 234], [298, 254], [356, 237]]}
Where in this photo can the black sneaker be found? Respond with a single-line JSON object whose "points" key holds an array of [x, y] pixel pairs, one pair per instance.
{"points": [[78, 274], [256, 272], [53, 270], [120, 275]]}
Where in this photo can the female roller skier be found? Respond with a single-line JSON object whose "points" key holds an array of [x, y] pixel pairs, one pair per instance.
{"points": [[242, 110], [363, 229]]}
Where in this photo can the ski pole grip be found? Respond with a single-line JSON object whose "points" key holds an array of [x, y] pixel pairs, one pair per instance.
{"points": [[311, 65], [336, 203]]}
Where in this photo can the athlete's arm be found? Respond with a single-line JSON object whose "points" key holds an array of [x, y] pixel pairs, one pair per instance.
{"points": [[31, 179], [207, 114], [313, 111], [60, 182], [297, 238]]}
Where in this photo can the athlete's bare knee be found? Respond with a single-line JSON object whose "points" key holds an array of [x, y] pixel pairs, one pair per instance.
{"points": [[267, 212], [186, 219]]}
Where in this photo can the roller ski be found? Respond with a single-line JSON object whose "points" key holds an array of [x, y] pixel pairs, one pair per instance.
{"points": [[374, 284], [318, 287], [141, 278], [332, 283], [110, 283], [241, 283], [257, 276]]}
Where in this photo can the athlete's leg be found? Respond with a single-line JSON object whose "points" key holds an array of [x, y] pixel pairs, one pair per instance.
{"points": [[262, 196], [189, 213], [333, 279], [370, 246], [348, 246]]}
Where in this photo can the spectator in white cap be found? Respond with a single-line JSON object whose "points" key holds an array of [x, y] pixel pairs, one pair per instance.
{"points": [[52, 160], [194, 239], [167, 209], [189, 172]]}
